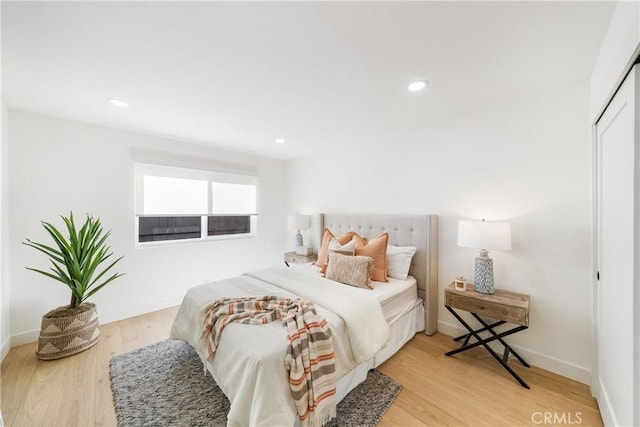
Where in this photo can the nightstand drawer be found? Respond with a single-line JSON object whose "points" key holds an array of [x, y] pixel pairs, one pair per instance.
{"points": [[294, 258], [503, 305]]}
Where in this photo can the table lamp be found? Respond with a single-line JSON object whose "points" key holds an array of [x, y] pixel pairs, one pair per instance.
{"points": [[484, 235], [298, 222]]}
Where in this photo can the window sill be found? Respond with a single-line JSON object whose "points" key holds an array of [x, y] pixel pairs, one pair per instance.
{"points": [[181, 242]]}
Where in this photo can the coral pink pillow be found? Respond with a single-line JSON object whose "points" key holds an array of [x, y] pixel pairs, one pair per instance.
{"points": [[376, 249]]}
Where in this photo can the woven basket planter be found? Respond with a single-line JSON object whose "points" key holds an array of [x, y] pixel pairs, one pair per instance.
{"points": [[65, 336]]}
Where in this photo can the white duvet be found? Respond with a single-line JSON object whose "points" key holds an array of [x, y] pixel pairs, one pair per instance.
{"points": [[249, 363]]}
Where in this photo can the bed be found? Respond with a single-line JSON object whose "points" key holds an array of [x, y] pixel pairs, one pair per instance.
{"points": [[248, 365]]}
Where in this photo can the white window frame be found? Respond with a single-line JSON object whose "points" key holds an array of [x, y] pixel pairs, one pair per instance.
{"points": [[142, 169]]}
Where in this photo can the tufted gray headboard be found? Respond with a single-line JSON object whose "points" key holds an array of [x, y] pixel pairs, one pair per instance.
{"points": [[420, 231]]}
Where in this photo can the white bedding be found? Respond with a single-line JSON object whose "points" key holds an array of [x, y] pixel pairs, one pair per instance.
{"points": [[248, 366], [395, 296]]}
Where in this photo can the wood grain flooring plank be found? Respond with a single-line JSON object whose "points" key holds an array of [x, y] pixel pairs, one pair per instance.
{"points": [[18, 370], [110, 345]]}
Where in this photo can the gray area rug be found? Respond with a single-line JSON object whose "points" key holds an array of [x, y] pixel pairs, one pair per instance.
{"points": [[164, 385]]}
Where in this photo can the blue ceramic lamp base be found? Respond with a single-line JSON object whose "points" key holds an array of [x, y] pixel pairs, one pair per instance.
{"points": [[483, 278]]}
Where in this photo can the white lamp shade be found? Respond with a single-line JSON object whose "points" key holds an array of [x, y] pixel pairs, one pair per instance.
{"points": [[484, 235], [298, 222]]}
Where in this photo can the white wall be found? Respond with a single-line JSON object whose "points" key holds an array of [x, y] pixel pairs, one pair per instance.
{"points": [[4, 237], [527, 162], [57, 165], [620, 47]]}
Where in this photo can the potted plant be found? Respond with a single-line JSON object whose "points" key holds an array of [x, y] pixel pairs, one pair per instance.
{"points": [[76, 261]]}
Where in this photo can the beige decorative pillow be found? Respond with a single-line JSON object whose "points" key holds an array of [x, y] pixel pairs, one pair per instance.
{"points": [[350, 270]]}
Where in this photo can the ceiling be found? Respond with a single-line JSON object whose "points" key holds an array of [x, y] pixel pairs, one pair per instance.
{"points": [[241, 74]]}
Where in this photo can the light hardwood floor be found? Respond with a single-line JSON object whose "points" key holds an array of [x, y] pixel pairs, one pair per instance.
{"points": [[467, 389]]}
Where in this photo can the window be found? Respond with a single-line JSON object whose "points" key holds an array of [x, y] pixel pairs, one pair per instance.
{"points": [[179, 204]]}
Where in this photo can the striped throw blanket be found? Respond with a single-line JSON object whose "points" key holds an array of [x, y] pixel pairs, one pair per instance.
{"points": [[310, 358]]}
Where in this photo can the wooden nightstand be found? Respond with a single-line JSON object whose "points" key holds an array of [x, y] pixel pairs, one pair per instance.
{"points": [[504, 306], [294, 258]]}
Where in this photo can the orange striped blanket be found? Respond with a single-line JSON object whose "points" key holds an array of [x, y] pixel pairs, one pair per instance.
{"points": [[310, 358]]}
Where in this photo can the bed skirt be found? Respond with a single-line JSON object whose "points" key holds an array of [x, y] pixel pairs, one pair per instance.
{"points": [[403, 328]]}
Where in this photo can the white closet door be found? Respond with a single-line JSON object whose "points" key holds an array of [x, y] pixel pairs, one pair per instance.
{"points": [[617, 227]]}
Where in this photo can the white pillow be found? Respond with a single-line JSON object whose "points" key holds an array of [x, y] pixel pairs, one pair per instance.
{"points": [[350, 247], [399, 261]]}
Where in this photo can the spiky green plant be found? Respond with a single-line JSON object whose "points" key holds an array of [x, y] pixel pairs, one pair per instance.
{"points": [[78, 257]]}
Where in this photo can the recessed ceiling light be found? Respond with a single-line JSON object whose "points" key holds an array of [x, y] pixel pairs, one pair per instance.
{"points": [[418, 85], [118, 103], [279, 141]]}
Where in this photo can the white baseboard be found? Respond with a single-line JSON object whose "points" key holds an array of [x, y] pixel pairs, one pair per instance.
{"points": [[605, 407], [4, 348], [540, 360], [557, 366], [26, 337], [112, 316], [104, 317]]}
